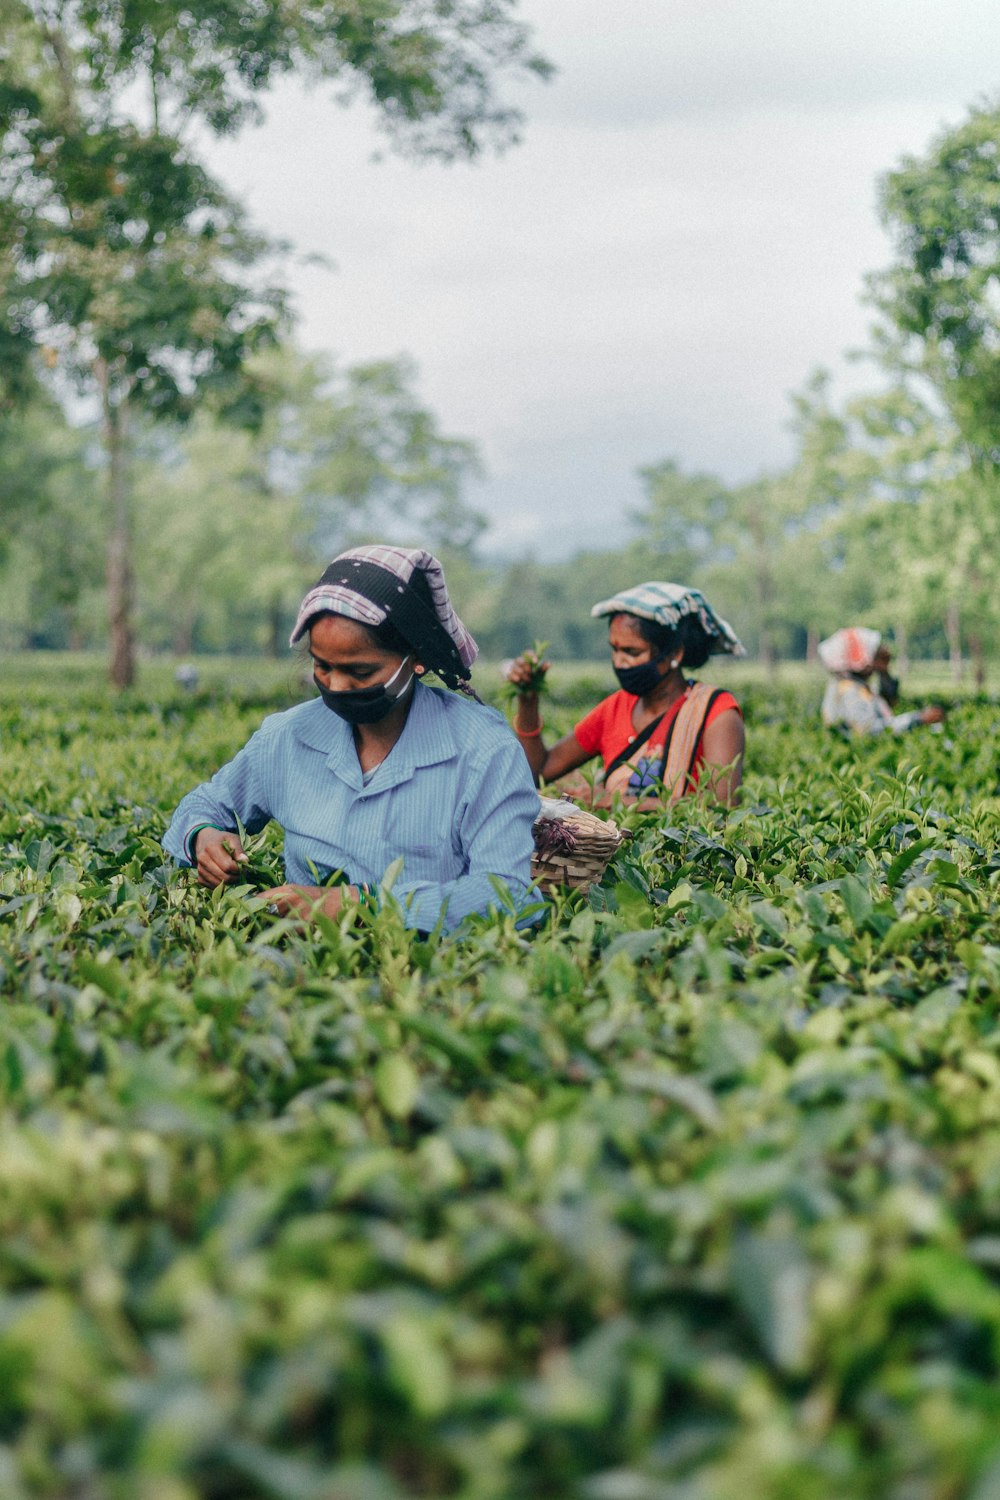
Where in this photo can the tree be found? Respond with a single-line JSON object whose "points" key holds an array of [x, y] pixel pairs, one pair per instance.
{"points": [[36, 442], [939, 300], [683, 517], [121, 255], [49, 544], [234, 525], [940, 315], [746, 545], [749, 568], [374, 461]]}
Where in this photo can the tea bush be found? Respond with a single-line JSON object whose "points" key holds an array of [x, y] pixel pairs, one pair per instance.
{"points": [[692, 1194]]}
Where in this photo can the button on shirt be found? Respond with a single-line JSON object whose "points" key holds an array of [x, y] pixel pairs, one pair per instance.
{"points": [[454, 800]]}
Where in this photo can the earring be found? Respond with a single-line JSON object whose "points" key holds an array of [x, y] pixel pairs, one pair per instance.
{"points": [[676, 663]]}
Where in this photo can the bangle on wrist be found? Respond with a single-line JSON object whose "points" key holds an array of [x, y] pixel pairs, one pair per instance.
{"points": [[191, 839], [528, 734]]}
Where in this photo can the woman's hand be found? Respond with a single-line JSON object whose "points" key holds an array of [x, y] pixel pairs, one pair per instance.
{"points": [[578, 789], [307, 901], [218, 856], [527, 672]]}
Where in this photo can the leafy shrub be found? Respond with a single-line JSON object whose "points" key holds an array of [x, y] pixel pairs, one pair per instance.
{"points": [[691, 1193]]}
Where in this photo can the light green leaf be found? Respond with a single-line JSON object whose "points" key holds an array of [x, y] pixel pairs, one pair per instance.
{"points": [[396, 1085]]}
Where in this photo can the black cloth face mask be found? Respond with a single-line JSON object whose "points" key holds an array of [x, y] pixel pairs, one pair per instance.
{"points": [[365, 705], [642, 679]]}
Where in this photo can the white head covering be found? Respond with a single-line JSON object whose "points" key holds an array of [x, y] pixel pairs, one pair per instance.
{"points": [[849, 650]]}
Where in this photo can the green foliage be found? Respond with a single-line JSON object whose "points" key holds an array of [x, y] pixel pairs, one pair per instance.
{"points": [[692, 1191], [552, 600], [939, 297], [50, 544], [536, 682], [125, 262], [233, 527]]}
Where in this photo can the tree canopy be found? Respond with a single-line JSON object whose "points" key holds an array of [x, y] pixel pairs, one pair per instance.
{"points": [[121, 258]]}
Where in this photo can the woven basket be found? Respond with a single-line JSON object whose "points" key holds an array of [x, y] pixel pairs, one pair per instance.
{"points": [[572, 846]]}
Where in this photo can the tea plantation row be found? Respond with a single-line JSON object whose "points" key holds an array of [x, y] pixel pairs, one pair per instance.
{"points": [[693, 1194]]}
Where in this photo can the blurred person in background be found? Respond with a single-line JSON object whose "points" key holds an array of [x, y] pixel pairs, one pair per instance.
{"points": [[851, 704], [380, 766], [885, 684], [663, 735]]}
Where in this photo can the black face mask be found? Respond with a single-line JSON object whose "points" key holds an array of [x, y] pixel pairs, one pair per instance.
{"points": [[642, 679], [364, 705]]}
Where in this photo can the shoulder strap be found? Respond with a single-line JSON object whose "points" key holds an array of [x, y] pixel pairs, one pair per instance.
{"points": [[681, 749], [632, 747]]}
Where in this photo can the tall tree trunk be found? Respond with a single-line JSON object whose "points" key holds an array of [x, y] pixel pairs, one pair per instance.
{"points": [[118, 560], [768, 655], [953, 632], [975, 636], [902, 648], [812, 645], [765, 594], [183, 632]]}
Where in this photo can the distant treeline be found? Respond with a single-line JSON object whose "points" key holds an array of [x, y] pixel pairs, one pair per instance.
{"points": [[887, 515]]}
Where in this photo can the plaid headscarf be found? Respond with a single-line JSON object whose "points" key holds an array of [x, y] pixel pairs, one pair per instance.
{"points": [[667, 604], [375, 584], [849, 650]]}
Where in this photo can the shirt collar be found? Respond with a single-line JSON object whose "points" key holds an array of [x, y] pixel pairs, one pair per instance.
{"points": [[426, 740]]}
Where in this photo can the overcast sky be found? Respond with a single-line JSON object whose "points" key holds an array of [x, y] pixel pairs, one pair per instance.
{"points": [[679, 240]]}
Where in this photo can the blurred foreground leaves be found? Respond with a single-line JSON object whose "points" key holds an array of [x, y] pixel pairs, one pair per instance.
{"points": [[693, 1193]]}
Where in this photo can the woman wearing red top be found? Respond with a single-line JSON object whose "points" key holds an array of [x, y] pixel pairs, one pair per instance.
{"points": [[684, 733]]}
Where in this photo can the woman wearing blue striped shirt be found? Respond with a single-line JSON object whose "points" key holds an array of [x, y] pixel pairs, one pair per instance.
{"points": [[381, 766]]}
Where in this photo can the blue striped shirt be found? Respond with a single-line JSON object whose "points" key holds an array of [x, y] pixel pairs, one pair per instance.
{"points": [[454, 799]]}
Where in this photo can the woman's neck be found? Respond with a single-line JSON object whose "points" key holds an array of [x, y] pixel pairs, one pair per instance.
{"points": [[374, 741], [666, 692]]}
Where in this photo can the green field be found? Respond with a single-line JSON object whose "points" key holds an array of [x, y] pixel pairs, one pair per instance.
{"points": [[692, 1194]]}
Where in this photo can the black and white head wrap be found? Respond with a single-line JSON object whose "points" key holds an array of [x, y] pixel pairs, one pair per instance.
{"points": [[404, 586]]}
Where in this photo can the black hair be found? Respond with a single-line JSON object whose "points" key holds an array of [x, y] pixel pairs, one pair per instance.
{"points": [[689, 633], [385, 636]]}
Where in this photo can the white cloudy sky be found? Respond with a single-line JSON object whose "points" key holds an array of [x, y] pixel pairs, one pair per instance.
{"points": [[679, 240]]}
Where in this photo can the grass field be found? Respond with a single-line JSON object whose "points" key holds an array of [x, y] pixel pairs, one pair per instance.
{"points": [[39, 669], [692, 1194]]}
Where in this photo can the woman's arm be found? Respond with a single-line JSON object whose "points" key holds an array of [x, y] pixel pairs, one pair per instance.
{"points": [[931, 715], [723, 745], [202, 831], [546, 764], [499, 806]]}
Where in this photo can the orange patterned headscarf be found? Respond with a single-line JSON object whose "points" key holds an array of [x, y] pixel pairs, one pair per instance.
{"points": [[849, 650]]}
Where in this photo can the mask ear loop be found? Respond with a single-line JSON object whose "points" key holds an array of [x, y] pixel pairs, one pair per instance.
{"points": [[386, 685]]}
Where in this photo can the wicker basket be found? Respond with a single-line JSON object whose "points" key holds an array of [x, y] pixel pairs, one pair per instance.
{"points": [[572, 846]]}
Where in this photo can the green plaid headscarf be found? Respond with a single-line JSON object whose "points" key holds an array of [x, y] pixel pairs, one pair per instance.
{"points": [[667, 604]]}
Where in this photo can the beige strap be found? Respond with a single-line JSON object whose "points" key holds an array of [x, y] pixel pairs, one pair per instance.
{"points": [[688, 729]]}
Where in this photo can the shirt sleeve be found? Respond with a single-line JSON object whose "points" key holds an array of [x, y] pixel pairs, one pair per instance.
{"points": [[862, 711], [593, 727], [900, 723], [722, 704], [500, 805], [234, 793]]}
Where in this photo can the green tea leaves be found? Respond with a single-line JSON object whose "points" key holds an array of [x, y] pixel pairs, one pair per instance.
{"points": [[690, 1191]]}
